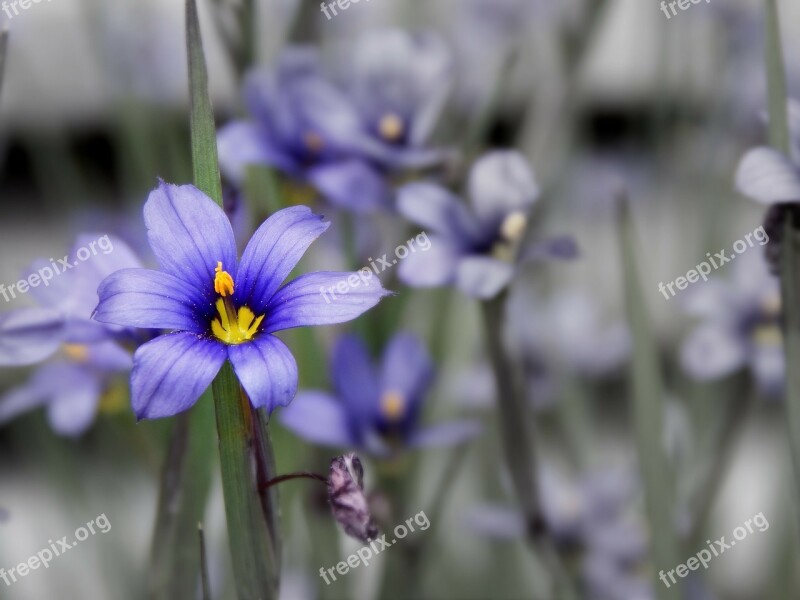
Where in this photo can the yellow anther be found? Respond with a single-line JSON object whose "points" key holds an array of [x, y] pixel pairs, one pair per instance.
{"points": [[241, 328], [514, 226], [391, 127], [771, 306], [393, 405], [223, 282], [77, 352], [768, 335], [313, 141]]}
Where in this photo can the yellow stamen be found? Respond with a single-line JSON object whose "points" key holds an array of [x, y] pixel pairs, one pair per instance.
{"points": [[235, 328], [512, 230], [77, 352], [391, 127], [768, 335], [393, 405], [313, 141], [514, 226], [223, 282], [772, 305]]}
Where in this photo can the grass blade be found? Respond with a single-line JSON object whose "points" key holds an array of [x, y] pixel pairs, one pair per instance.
{"points": [[648, 410], [185, 484], [251, 535]]}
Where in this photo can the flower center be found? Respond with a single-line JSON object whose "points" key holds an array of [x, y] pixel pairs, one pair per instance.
{"points": [[768, 335], [391, 127], [771, 306], [512, 230], [231, 326], [393, 405], [313, 141], [76, 352], [513, 227]]}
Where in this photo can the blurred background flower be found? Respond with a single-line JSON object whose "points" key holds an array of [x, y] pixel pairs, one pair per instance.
{"points": [[394, 118]]}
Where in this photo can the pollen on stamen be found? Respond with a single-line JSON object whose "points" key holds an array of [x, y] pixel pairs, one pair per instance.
{"points": [[393, 405], [223, 282], [513, 226], [391, 127]]}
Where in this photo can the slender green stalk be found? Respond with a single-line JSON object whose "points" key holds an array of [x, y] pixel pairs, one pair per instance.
{"points": [[516, 431], [185, 484], [575, 417], [518, 444], [422, 554], [776, 81], [735, 396], [476, 133], [779, 137], [250, 540], [205, 161], [203, 563], [648, 409], [3, 52], [246, 456]]}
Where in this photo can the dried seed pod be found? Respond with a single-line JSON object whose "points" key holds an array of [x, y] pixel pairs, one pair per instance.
{"points": [[346, 497]]}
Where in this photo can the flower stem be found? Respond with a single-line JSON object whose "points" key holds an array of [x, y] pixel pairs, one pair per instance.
{"points": [[185, 484], [779, 137], [647, 415], [203, 563], [290, 476], [245, 449], [518, 445], [254, 557]]}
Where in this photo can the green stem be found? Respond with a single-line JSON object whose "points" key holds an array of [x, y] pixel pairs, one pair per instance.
{"points": [[203, 563], [417, 576], [517, 434], [776, 82], [518, 444], [185, 484], [779, 137], [647, 415], [245, 449], [3, 52], [250, 541], [720, 450]]}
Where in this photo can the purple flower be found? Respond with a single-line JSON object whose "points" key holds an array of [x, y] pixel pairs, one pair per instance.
{"points": [[374, 409], [741, 327], [769, 176], [220, 308], [477, 250], [591, 515], [305, 127], [70, 386], [85, 356], [400, 82], [773, 178], [65, 296]]}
